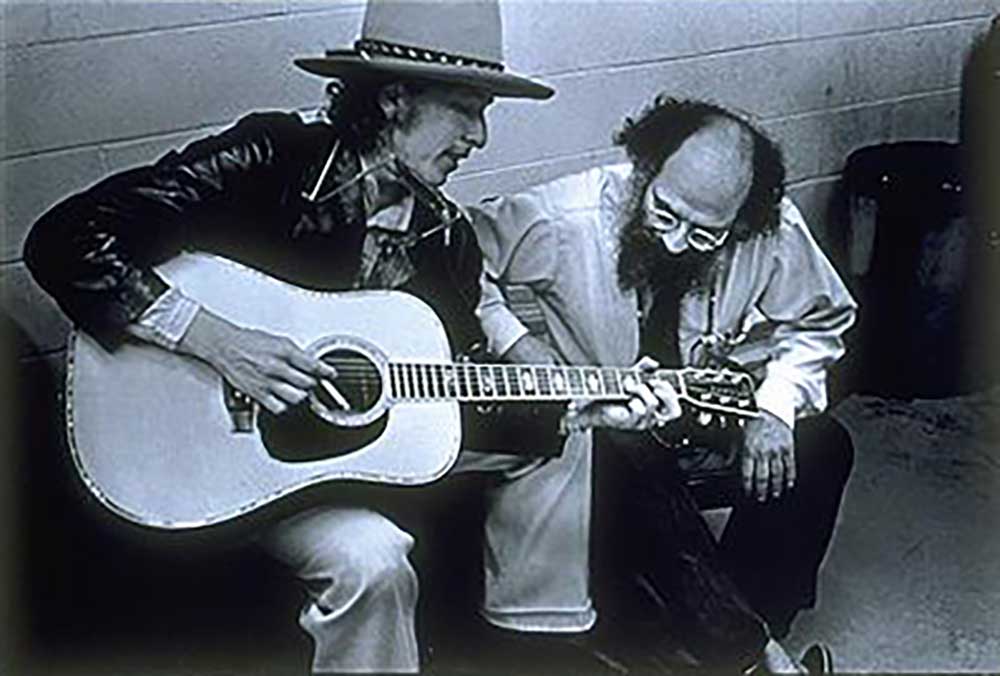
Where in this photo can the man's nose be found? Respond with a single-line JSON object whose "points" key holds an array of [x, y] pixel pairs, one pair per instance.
{"points": [[476, 134], [675, 241]]}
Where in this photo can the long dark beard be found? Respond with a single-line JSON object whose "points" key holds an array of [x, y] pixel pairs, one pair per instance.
{"points": [[644, 260]]}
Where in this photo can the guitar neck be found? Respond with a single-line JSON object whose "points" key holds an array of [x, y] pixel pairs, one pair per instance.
{"points": [[484, 383]]}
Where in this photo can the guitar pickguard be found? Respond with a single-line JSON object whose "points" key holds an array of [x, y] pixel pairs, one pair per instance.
{"points": [[299, 435]]}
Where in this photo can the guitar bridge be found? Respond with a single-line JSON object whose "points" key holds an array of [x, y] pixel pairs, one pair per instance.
{"points": [[241, 409]]}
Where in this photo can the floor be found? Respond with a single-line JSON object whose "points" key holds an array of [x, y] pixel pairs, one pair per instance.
{"points": [[912, 582]]}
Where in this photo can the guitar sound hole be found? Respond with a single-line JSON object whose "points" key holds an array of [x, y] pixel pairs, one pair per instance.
{"points": [[303, 433], [358, 380]]}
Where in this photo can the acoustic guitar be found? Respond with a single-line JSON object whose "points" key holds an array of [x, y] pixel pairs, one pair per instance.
{"points": [[164, 441]]}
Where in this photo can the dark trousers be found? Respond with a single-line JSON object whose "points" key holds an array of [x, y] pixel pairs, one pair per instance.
{"points": [[654, 555]]}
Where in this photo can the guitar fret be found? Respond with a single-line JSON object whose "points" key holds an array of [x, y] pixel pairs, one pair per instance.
{"points": [[510, 379], [476, 387], [575, 381], [411, 390], [473, 378], [447, 380], [527, 380], [608, 381], [592, 381], [560, 385], [499, 387], [545, 378], [514, 380], [486, 381], [468, 377], [541, 382], [411, 379], [549, 390]]}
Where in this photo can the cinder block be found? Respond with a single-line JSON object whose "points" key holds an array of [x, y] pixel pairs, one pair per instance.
{"points": [[39, 22], [885, 66], [819, 19], [121, 156], [313, 6], [766, 82], [930, 117], [135, 86], [815, 199], [36, 183], [35, 314], [310, 34], [817, 144], [557, 37], [468, 189]]}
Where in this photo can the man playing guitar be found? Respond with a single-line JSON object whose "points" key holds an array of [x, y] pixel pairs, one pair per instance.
{"points": [[328, 204]]}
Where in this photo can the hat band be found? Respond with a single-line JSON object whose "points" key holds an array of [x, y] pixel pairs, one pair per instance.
{"points": [[365, 47]]}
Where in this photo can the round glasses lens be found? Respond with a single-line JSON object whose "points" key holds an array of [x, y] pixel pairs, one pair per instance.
{"points": [[702, 240]]}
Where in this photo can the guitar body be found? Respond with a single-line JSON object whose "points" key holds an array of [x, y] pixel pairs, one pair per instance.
{"points": [[153, 439]]}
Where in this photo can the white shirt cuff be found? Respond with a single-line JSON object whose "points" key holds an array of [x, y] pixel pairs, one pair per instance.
{"points": [[504, 335], [166, 321], [778, 396]]}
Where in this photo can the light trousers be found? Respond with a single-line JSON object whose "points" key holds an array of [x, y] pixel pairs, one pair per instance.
{"points": [[363, 590]]}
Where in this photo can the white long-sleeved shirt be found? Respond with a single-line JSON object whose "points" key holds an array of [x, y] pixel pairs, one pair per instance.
{"points": [[779, 308]]}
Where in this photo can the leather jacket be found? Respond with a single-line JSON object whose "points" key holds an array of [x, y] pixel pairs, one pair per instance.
{"points": [[240, 194]]}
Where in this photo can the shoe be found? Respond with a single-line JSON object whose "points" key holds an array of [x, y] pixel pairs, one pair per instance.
{"points": [[818, 659]]}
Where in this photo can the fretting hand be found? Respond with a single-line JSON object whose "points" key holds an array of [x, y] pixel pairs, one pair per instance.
{"points": [[650, 405], [270, 369]]}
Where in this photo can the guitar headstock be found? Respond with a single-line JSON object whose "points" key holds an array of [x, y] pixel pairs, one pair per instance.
{"points": [[718, 391]]}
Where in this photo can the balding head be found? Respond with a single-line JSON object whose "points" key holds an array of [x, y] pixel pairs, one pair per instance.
{"points": [[711, 172], [728, 151]]}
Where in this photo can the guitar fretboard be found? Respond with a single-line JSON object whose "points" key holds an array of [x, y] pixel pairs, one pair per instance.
{"points": [[468, 382]]}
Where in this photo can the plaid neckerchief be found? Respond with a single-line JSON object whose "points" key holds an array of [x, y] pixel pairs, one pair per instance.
{"points": [[385, 259]]}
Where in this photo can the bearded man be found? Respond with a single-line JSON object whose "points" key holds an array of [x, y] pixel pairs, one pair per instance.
{"points": [[692, 254]]}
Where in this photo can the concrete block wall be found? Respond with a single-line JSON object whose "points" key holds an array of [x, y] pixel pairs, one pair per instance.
{"points": [[93, 87]]}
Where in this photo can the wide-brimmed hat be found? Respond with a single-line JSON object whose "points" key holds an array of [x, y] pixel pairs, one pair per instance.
{"points": [[455, 41]]}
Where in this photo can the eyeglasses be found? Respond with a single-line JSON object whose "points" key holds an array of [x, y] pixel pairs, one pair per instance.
{"points": [[699, 237]]}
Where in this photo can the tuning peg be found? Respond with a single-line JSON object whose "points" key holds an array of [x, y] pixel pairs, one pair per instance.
{"points": [[704, 418]]}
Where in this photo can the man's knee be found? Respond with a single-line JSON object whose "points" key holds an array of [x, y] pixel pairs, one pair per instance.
{"points": [[376, 574], [826, 446], [363, 570]]}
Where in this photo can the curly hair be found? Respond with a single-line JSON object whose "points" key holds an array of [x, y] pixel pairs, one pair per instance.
{"points": [[352, 107], [660, 129]]}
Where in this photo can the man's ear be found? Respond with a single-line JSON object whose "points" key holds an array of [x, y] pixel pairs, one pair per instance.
{"points": [[394, 100]]}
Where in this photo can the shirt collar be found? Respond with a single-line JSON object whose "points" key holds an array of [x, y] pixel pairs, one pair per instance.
{"points": [[395, 217]]}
